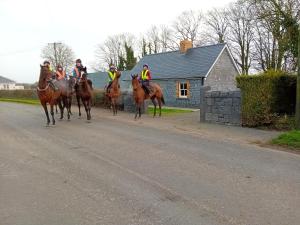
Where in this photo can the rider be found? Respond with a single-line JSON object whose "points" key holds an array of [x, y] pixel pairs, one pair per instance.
{"points": [[145, 78], [60, 73], [51, 79], [77, 70], [112, 73]]}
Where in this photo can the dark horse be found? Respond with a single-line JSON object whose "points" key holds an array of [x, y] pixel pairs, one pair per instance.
{"points": [[140, 95], [83, 90], [67, 88], [47, 94], [114, 93]]}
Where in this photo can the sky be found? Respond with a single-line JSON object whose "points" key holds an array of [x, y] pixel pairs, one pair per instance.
{"points": [[28, 25]]}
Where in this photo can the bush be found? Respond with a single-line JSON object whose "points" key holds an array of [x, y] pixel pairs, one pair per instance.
{"points": [[265, 96], [19, 94]]}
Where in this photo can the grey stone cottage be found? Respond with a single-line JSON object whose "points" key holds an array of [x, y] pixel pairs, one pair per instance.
{"points": [[181, 73]]}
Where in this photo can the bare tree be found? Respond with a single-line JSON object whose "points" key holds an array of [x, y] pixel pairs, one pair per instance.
{"points": [[187, 26], [62, 55], [279, 18], [111, 50], [217, 24], [241, 36]]}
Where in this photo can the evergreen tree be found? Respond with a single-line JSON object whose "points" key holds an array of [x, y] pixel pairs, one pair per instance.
{"points": [[121, 65], [130, 61]]}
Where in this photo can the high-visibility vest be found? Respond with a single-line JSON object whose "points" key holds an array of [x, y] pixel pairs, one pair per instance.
{"points": [[145, 75], [111, 75]]}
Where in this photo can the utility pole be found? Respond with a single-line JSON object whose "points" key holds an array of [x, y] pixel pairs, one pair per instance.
{"points": [[55, 53], [298, 85]]}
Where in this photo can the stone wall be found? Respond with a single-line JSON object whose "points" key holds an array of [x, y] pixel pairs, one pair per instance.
{"points": [[222, 107], [129, 104]]}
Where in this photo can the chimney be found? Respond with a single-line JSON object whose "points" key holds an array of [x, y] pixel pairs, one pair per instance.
{"points": [[185, 45]]}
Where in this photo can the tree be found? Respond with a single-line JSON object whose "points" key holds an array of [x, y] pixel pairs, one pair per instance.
{"points": [[130, 61], [187, 26], [113, 49], [217, 23], [62, 55], [241, 37]]}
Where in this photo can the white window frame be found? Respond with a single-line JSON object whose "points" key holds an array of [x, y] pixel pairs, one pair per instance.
{"points": [[183, 89]]}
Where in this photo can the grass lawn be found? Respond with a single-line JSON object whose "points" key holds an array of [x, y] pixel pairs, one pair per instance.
{"points": [[289, 139], [18, 100], [168, 111]]}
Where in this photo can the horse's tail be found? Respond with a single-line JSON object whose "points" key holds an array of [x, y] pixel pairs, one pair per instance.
{"points": [[163, 100]]}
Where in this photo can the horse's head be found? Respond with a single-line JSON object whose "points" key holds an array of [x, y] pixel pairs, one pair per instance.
{"points": [[45, 72], [134, 81], [118, 74], [84, 73]]}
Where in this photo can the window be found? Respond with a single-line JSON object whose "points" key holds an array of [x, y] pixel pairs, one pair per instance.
{"points": [[183, 90]]}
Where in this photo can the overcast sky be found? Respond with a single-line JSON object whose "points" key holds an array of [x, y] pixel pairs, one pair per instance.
{"points": [[28, 25]]}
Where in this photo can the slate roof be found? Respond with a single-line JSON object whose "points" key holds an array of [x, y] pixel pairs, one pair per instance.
{"points": [[6, 80], [196, 62], [100, 79]]}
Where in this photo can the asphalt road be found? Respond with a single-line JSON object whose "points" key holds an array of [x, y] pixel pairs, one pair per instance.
{"points": [[118, 171]]}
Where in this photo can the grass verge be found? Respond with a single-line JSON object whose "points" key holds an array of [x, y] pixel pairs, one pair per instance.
{"points": [[168, 111], [23, 101], [290, 139]]}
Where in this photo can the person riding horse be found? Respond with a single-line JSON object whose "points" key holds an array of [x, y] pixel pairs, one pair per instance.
{"points": [[111, 73], [78, 69], [60, 73], [51, 80], [145, 78]]}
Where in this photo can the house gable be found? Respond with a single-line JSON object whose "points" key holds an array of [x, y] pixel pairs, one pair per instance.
{"points": [[223, 72]]}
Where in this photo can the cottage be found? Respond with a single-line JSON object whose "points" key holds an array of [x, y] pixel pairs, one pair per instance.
{"points": [[182, 73], [7, 84]]}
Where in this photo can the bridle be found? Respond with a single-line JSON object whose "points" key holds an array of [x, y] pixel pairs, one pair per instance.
{"points": [[43, 89]]}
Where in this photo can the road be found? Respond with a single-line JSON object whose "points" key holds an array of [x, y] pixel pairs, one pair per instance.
{"points": [[115, 170]]}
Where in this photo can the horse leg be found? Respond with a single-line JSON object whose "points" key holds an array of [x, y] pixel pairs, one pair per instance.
{"points": [[89, 105], [70, 102], [159, 104], [69, 106], [52, 113], [113, 103], [154, 103], [140, 112], [46, 112], [78, 102], [56, 109], [61, 107], [86, 108], [136, 110]]}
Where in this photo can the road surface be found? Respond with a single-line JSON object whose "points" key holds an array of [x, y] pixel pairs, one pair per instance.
{"points": [[115, 170]]}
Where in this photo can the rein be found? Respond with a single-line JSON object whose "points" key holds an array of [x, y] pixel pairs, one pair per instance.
{"points": [[43, 89]]}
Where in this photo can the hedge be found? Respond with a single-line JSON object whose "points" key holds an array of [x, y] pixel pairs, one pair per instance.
{"points": [[98, 99], [265, 96], [19, 94]]}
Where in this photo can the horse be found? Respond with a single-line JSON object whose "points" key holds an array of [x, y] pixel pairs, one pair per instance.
{"points": [[67, 87], [47, 94], [140, 95], [114, 93], [83, 90]]}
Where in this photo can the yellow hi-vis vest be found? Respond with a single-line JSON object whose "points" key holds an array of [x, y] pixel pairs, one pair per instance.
{"points": [[111, 75], [144, 74]]}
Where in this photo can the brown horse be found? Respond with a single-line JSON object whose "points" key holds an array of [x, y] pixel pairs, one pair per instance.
{"points": [[47, 94], [83, 91], [140, 95], [114, 93]]}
